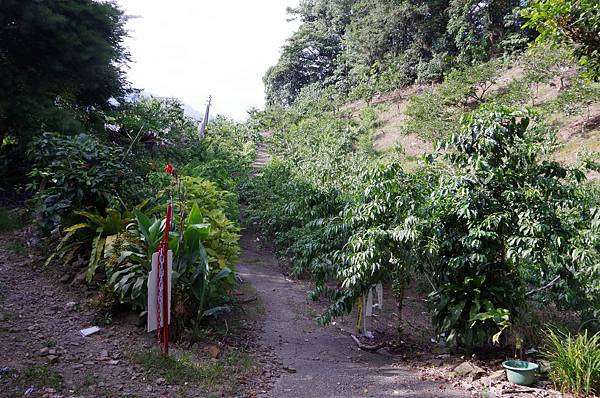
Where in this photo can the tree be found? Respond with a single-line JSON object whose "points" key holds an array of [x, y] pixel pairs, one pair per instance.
{"points": [[504, 219], [478, 27], [60, 61], [575, 22], [309, 56], [382, 32]]}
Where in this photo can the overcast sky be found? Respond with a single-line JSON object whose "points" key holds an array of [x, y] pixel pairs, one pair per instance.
{"points": [[190, 49]]}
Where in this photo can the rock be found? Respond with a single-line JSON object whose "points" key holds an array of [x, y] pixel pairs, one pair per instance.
{"points": [[213, 351], [52, 351], [468, 370], [65, 278], [160, 381], [44, 351], [113, 362], [289, 369], [52, 358], [544, 366], [493, 378], [134, 319], [70, 306]]}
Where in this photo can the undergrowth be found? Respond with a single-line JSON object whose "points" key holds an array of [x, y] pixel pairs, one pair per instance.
{"points": [[574, 362]]}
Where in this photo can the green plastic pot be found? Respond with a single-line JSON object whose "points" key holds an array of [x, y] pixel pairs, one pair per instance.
{"points": [[520, 372]]}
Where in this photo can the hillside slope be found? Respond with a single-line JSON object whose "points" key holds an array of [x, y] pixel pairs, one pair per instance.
{"points": [[577, 123]]}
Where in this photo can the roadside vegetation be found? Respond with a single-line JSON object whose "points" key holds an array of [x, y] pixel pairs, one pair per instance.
{"points": [[494, 224], [491, 222]]}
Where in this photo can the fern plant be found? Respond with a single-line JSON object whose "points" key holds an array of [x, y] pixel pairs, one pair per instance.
{"points": [[101, 231]]}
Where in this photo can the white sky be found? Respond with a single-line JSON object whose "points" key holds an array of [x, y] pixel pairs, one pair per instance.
{"points": [[189, 49]]}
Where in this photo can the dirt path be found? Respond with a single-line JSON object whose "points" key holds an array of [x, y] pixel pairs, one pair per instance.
{"points": [[40, 319], [320, 361], [262, 153]]}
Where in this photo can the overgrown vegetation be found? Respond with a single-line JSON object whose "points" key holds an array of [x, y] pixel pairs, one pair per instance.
{"points": [[574, 362], [489, 219], [349, 218], [95, 158]]}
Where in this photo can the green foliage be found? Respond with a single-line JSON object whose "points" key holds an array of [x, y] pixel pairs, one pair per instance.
{"points": [[62, 62], [436, 112], [477, 26], [205, 249], [72, 173], [310, 53], [365, 47], [8, 220], [183, 368], [161, 122], [500, 180], [453, 219], [101, 231], [228, 152], [573, 22], [574, 362]]}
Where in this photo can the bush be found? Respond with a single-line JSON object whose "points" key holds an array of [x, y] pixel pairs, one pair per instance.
{"points": [[436, 113], [71, 173], [574, 362], [205, 250], [8, 220]]}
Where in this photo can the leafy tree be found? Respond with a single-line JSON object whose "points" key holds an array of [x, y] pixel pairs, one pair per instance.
{"points": [[478, 27], [154, 122], [309, 55], [504, 218], [576, 22], [382, 31], [60, 61]]}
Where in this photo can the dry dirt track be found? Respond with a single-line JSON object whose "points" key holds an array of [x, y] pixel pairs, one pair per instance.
{"points": [[321, 361], [40, 320]]}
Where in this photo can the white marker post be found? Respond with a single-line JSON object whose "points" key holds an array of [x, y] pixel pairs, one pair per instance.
{"points": [[153, 299]]}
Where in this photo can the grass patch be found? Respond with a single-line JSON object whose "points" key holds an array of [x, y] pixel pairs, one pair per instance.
{"points": [[181, 367], [574, 362], [8, 220], [40, 376], [5, 317], [17, 248]]}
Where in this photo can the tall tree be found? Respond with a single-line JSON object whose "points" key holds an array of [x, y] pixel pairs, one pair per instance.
{"points": [[59, 61], [309, 56], [383, 30], [478, 27]]}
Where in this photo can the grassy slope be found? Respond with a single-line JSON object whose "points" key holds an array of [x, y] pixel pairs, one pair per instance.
{"points": [[577, 132]]}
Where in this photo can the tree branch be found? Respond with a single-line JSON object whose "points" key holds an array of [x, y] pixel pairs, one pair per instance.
{"points": [[366, 347], [546, 286]]}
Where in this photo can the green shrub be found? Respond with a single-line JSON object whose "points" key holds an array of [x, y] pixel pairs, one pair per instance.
{"points": [[436, 113], [8, 220], [71, 173], [574, 362], [205, 249]]}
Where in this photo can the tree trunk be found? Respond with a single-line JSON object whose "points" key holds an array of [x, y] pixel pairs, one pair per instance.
{"points": [[400, 299]]}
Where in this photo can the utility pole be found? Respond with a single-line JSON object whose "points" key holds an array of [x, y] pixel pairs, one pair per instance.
{"points": [[205, 120]]}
